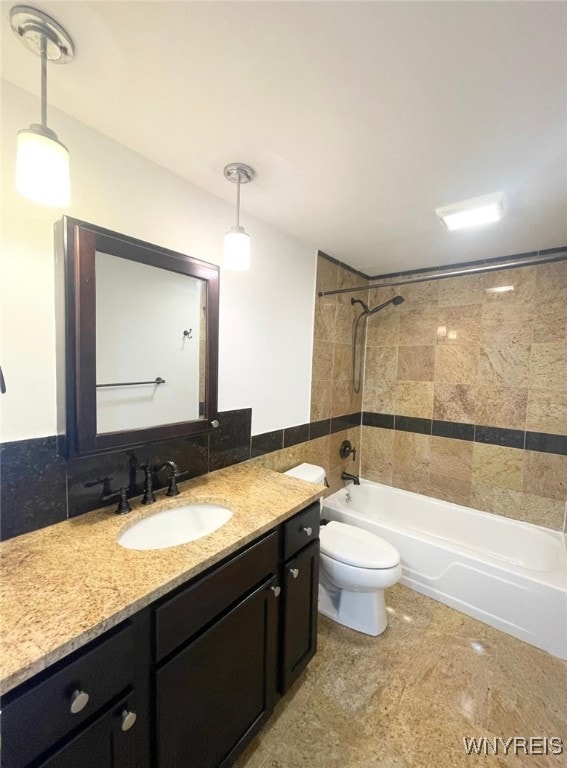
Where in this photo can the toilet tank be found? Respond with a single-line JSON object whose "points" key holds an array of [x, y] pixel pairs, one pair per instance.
{"points": [[310, 472]]}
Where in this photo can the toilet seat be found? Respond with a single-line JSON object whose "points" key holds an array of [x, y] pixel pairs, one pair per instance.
{"points": [[352, 546]]}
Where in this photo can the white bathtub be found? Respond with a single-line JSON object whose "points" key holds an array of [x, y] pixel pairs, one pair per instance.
{"points": [[509, 574]]}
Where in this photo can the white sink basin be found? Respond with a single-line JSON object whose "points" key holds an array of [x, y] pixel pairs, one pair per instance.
{"points": [[175, 526]]}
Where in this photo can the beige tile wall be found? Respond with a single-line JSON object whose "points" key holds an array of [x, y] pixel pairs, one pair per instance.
{"points": [[455, 351], [331, 386]]}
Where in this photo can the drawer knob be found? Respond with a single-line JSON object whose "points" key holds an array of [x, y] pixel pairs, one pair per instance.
{"points": [[128, 719], [276, 591], [79, 700], [294, 572], [307, 530]]}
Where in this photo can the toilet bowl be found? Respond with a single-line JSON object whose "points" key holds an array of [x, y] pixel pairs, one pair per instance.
{"points": [[355, 568]]}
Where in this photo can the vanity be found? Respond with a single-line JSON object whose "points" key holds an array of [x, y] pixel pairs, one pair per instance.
{"points": [[184, 663]]}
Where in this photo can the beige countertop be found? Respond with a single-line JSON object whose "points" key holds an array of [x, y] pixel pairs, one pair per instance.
{"points": [[66, 584]]}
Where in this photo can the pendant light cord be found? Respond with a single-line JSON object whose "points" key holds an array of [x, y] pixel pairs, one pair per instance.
{"points": [[43, 82], [238, 201]]}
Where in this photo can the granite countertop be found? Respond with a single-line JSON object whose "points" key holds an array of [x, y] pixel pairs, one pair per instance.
{"points": [[64, 585]]}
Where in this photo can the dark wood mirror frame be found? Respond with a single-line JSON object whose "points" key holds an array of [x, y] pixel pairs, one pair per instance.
{"points": [[76, 243]]}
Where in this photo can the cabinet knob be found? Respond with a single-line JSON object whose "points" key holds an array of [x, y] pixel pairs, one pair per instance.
{"points": [[294, 572], [215, 423], [128, 719], [306, 530], [79, 700], [276, 591]]}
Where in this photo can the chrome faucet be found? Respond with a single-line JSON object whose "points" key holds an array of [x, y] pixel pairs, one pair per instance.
{"points": [[347, 476]]}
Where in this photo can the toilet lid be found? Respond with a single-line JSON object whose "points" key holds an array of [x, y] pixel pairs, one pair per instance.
{"points": [[353, 546]]}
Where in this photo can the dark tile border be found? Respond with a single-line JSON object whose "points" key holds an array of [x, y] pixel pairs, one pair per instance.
{"points": [[382, 420], [319, 429], [266, 443], [545, 443], [295, 435], [412, 424], [454, 430], [509, 438]]}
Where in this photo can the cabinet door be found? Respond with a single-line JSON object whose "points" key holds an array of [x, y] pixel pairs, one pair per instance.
{"points": [[214, 695], [300, 613], [104, 743]]}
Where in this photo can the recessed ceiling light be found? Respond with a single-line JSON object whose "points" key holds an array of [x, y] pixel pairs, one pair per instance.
{"points": [[471, 213]]}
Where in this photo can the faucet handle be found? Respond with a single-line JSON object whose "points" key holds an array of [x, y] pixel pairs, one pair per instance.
{"points": [[123, 505]]}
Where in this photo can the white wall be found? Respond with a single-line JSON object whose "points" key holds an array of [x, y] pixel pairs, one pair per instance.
{"points": [[266, 315]]}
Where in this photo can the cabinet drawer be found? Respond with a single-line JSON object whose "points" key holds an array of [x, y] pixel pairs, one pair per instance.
{"points": [[39, 717], [185, 614], [301, 530]]}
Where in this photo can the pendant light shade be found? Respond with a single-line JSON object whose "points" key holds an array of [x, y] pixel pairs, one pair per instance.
{"points": [[236, 251], [42, 161], [42, 168]]}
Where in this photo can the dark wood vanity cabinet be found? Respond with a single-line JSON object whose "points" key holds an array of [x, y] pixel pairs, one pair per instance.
{"points": [[219, 686], [94, 703], [300, 582], [201, 669]]}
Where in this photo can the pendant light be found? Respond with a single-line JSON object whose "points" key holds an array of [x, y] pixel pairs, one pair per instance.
{"points": [[42, 161], [236, 252]]}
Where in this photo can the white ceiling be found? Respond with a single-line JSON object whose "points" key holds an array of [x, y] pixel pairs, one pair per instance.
{"points": [[360, 117]]}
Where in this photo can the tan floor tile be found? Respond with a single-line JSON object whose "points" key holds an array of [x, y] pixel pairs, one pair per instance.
{"points": [[407, 698]]}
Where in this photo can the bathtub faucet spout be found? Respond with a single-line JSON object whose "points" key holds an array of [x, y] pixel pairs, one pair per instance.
{"points": [[347, 476]]}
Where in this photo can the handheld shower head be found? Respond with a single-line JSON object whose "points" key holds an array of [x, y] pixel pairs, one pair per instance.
{"points": [[398, 300]]}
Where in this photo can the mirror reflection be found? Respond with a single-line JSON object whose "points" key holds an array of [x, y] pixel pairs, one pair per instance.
{"points": [[150, 345]]}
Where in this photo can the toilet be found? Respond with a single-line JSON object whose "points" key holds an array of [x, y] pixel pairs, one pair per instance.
{"points": [[355, 568]]}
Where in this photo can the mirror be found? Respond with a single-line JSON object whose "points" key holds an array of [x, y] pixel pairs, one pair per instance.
{"points": [[137, 337]]}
